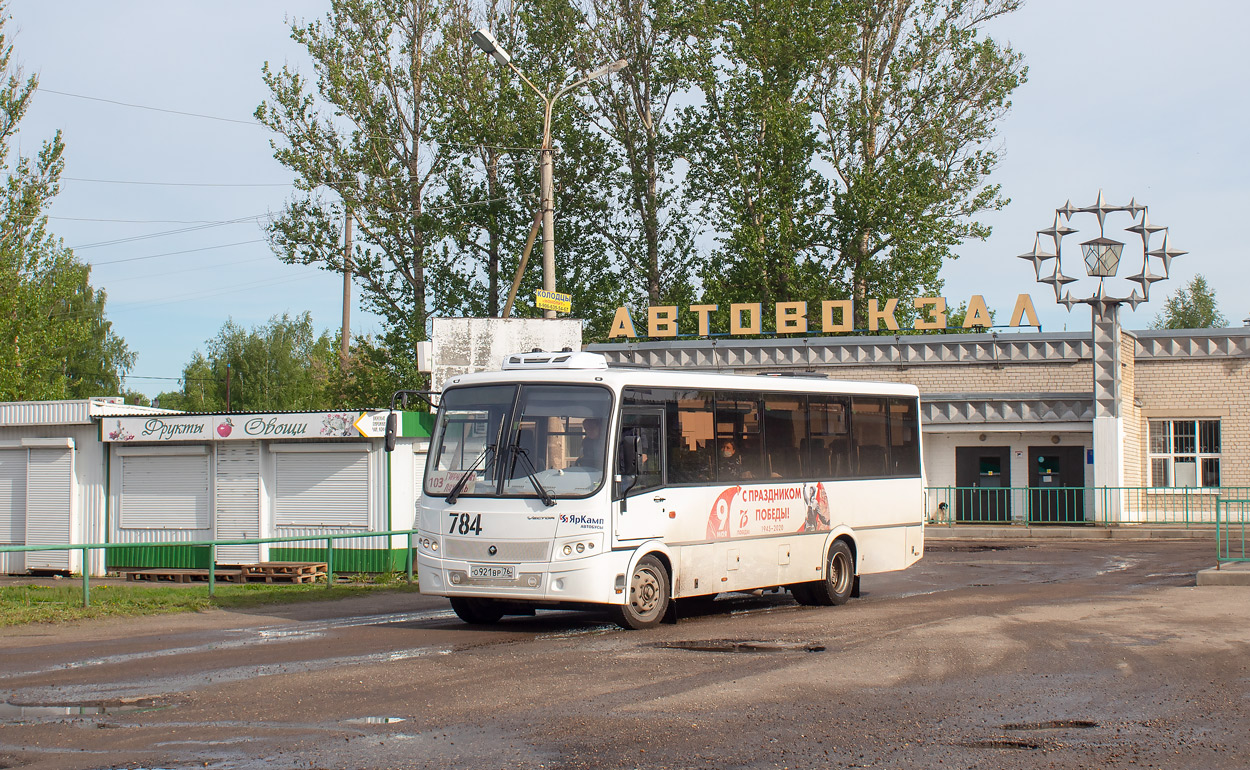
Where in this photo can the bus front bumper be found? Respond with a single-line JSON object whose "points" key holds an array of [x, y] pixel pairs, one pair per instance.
{"points": [[588, 580]]}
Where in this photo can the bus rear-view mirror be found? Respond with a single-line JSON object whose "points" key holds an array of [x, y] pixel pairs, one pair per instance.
{"points": [[392, 429]]}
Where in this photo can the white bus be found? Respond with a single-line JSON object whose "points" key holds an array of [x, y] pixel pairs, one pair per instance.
{"points": [[560, 482]]}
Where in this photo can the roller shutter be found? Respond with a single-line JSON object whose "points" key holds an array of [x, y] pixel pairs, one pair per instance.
{"points": [[12, 508], [13, 496], [50, 510], [238, 500], [165, 491], [321, 489]]}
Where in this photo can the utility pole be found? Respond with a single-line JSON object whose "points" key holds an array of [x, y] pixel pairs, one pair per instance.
{"points": [[228, 372], [345, 343], [483, 39]]}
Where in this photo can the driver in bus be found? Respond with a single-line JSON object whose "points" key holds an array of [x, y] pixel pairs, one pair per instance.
{"points": [[592, 443]]}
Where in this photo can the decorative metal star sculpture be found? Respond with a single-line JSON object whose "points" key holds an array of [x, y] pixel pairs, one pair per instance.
{"points": [[1099, 264]]}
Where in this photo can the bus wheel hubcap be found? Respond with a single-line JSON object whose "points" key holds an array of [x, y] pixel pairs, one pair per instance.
{"points": [[646, 590]]}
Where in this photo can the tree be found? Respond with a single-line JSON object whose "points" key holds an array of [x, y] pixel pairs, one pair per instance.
{"points": [[362, 132], [286, 365], [635, 111], [492, 124], [54, 339], [906, 106], [1191, 307], [751, 148], [95, 365], [280, 366]]}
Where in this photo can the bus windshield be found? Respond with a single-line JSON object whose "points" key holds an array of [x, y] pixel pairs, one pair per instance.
{"points": [[520, 440]]}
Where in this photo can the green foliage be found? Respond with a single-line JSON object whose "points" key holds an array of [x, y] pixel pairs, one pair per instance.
{"points": [[831, 149], [842, 148], [358, 137], [1191, 307], [653, 239], [56, 342], [285, 365], [752, 149], [906, 107]]}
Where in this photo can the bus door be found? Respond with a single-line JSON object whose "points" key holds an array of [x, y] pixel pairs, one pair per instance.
{"points": [[640, 506]]}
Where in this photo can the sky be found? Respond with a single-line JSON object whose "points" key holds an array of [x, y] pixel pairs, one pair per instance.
{"points": [[1142, 100]]}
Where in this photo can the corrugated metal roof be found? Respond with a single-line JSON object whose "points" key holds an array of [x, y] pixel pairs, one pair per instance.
{"points": [[68, 412]]}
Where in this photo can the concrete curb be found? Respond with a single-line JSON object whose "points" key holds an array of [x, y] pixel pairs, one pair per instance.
{"points": [[1127, 532], [1231, 574]]}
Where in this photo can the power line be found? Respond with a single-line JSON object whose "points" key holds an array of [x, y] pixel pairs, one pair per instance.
{"points": [[212, 293], [178, 184], [168, 232], [179, 379], [116, 308], [474, 145], [138, 221], [173, 253], [143, 276], [153, 109]]}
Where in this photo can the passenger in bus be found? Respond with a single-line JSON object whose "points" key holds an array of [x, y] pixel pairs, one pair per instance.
{"points": [[730, 465], [592, 443]]}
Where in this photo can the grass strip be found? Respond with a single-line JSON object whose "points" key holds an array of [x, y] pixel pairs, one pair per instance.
{"points": [[22, 604]]}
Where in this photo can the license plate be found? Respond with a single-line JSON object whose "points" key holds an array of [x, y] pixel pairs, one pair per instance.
{"points": [[492, 571]]}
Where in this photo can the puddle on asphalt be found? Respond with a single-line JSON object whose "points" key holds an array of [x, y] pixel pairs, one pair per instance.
{"points": [[375, 720], [740, 645], [1001, 744], [1054, 724], [953, 548], [12, 712]]}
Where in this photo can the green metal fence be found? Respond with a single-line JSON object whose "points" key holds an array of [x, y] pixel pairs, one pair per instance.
{"points": [[1078, 506], [328, 540], [1230, 531]]}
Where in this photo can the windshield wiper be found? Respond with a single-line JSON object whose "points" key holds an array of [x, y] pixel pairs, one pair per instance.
{"points": [[543, 494], [454, 494]]}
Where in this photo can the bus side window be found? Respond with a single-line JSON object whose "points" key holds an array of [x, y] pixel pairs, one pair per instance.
{"points": [[785, 430], [904, 437], [642, 429], [868, 427], [691, 439], [830, 449]]}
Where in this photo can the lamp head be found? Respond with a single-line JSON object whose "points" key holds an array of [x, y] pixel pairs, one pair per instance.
{"points": [[483, 39]]}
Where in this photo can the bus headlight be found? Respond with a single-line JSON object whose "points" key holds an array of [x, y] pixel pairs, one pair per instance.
{"points": [[584, 545]]}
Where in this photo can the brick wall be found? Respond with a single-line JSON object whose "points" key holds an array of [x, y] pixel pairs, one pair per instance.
{"points": [[1200, 388]]}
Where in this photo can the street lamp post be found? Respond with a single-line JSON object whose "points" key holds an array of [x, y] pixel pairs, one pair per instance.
{"points": [[486, 41]]}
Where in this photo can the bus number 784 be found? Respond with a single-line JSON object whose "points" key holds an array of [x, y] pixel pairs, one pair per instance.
{"points": [[460, 523]]}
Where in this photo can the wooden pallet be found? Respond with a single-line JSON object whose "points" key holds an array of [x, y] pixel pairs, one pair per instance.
{"points": [[280, 571], [262, 572], [183, 575]]}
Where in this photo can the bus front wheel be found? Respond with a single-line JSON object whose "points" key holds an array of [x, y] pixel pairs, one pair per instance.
{"points": [[477, 611], [649, 596], [839, 582]]}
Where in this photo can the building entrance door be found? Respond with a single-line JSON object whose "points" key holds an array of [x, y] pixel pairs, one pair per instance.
{"points": [[983, 478], [1056, 481]]}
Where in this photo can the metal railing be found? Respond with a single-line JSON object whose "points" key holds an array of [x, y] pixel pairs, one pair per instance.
{"points": [[1078, 506], [1231, 522], [328, 539]]}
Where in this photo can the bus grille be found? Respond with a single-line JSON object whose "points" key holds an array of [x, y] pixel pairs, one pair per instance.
{"points": [[506, 550]]}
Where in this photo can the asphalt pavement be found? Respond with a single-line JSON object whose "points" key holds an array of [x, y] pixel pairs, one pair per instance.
{"points": [[986, 654]]}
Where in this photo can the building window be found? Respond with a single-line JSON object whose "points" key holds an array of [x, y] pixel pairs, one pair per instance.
{"points": [[1184, 453]]}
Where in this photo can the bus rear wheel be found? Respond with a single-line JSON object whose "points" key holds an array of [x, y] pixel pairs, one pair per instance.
{"points": [[477, 611], [839, 582], [649, 596]]}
